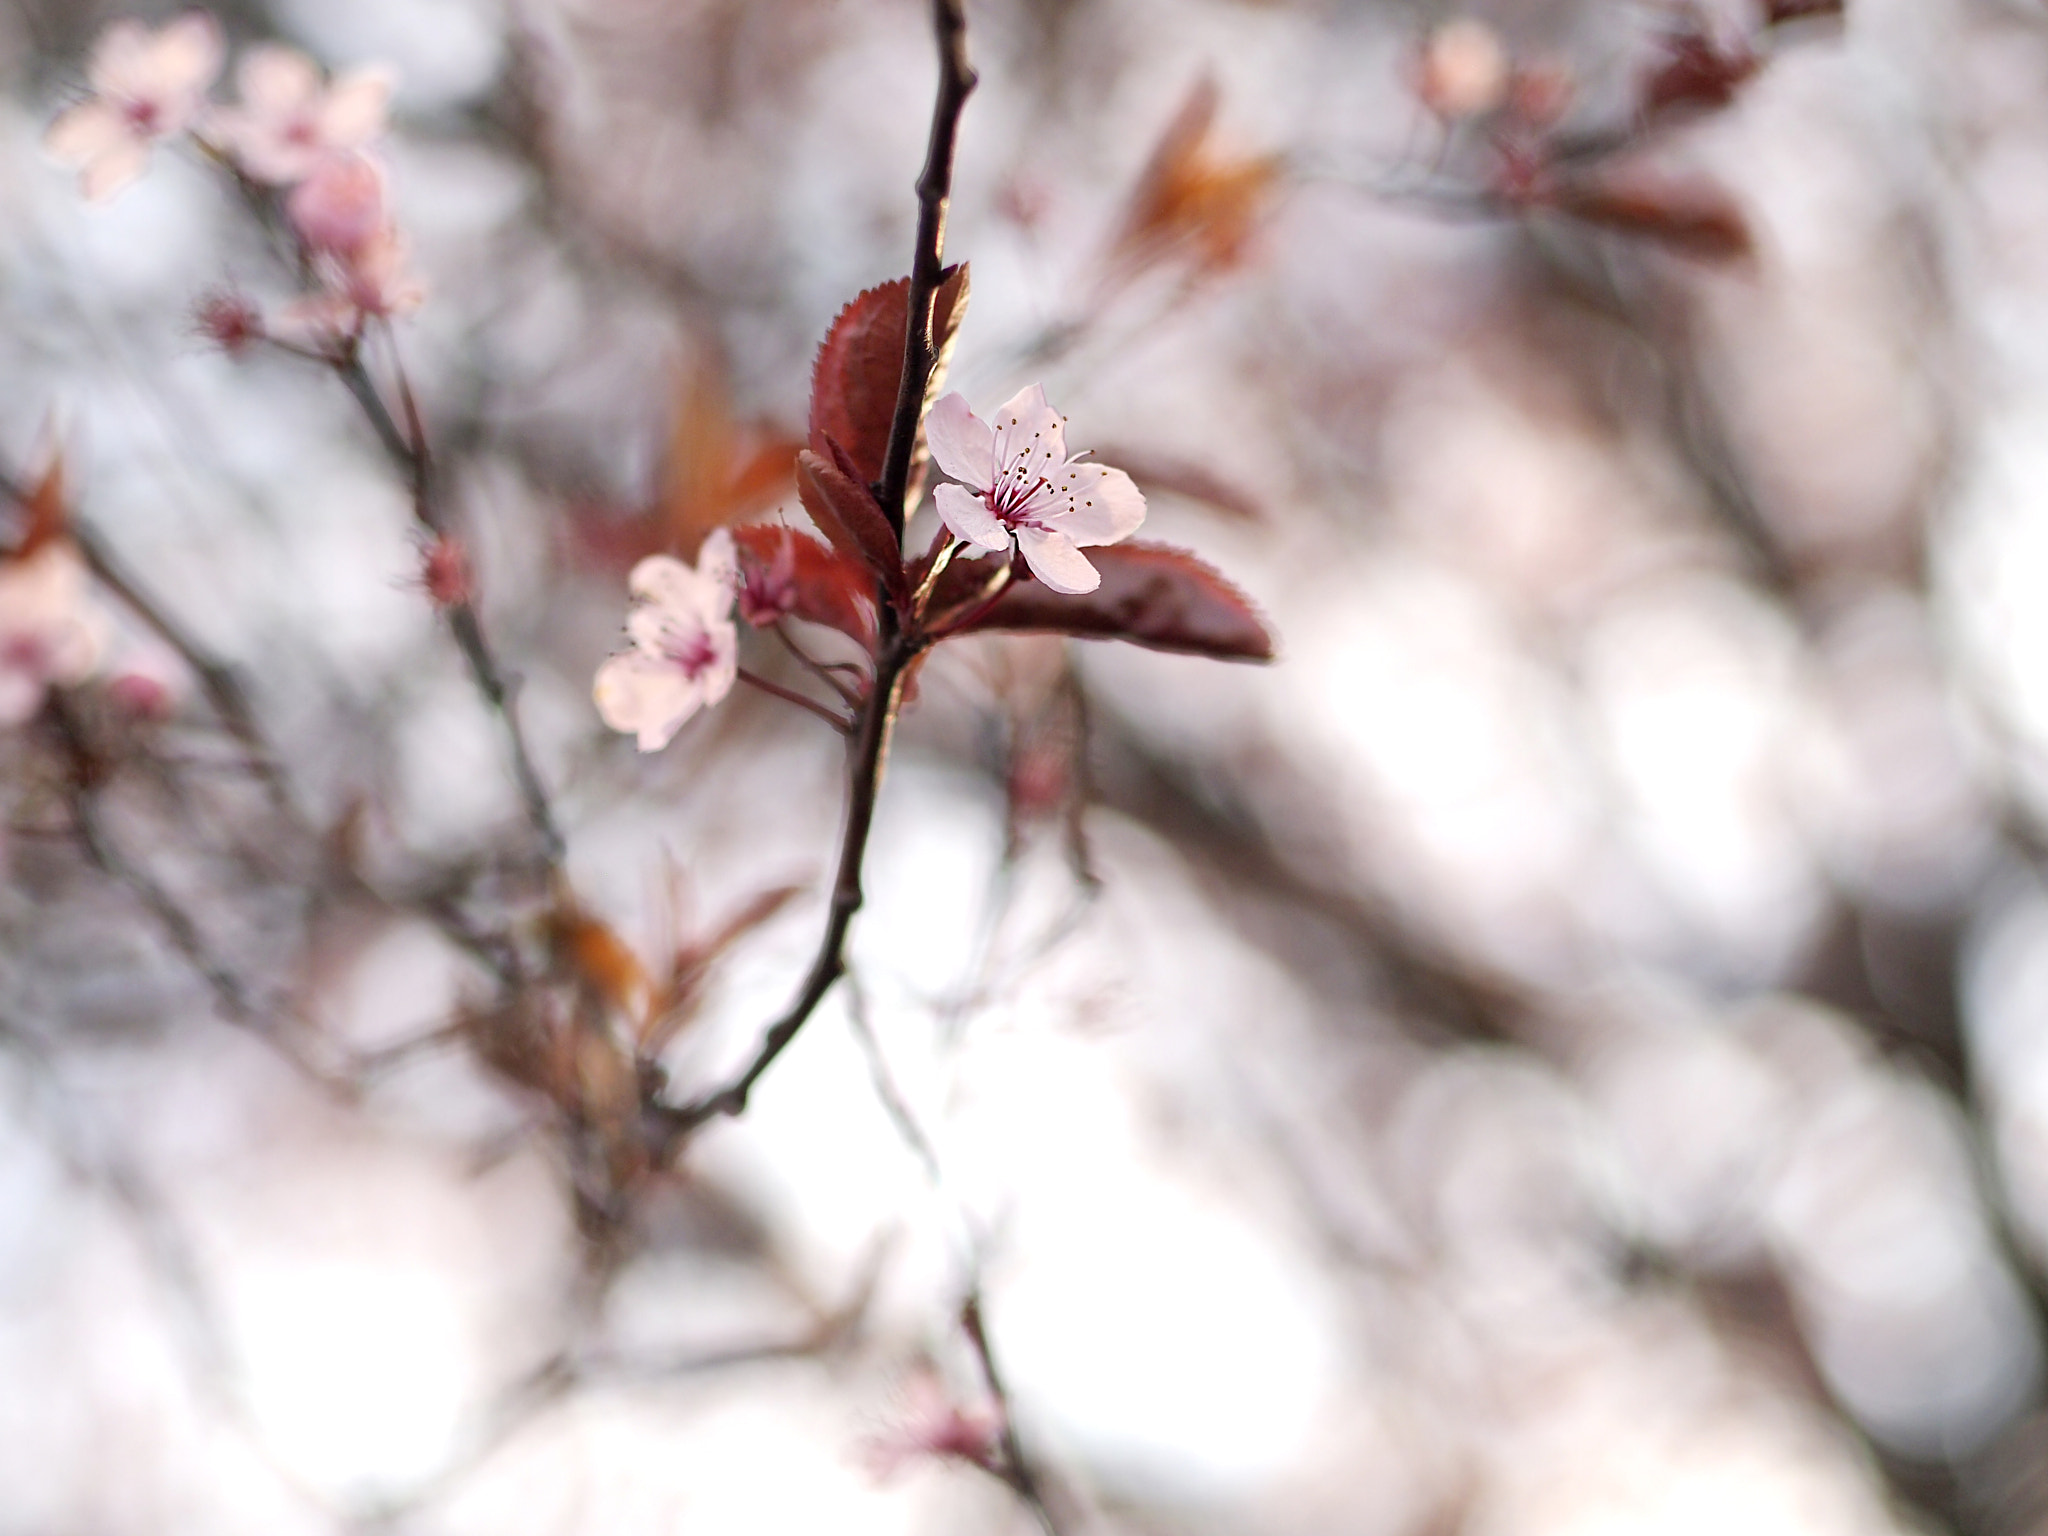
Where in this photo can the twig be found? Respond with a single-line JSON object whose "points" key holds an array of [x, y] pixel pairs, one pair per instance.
{"points": [[838, 722], [870, 758], [934, 189], [893, 1103], [231, 997], [827, 672], [408, 449], [1017, 1470]]}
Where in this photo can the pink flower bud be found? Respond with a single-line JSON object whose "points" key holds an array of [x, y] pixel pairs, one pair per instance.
{"points": [[141, 696], [768, 592], [444, 571], [341, 207], [228, 320]]}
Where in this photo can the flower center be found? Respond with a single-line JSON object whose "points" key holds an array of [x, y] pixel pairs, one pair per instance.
{"points": [[144, 116], [25, 653], [693, 653]]}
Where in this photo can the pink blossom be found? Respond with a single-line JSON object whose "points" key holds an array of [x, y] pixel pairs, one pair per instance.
{"points": [[289, 122], [1017, 480], [685, 651], [147, 85], [50, 634], [341, 205]]}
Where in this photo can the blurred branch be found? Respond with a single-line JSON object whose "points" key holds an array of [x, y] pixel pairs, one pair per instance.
{"points": [[1016, 1469], [409, 450], [893, 1103]]}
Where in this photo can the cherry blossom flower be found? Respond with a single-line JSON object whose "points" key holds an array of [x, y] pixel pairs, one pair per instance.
{"points": [[685, 646], [289, 122], [147, 85], [50, 634], [1017, 479]]}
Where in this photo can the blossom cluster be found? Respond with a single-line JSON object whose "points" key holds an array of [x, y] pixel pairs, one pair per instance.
{"points": [[292, 134], [1017, 490]]}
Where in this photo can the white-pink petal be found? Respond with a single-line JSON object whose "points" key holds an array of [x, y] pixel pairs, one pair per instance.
{"points": [[188, 53], [113, 170], [83, 133], [962, 444], [1029, 434], [276, 81], [357, 106], [968, 516], [647, 697], [1055, 560], [1097, 504]]}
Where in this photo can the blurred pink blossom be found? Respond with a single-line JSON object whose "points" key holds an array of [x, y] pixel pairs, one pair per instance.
{"points": [[342, 204], [685, 646], [51, 634], [289, 122], [147, 85], [1017, 479]]}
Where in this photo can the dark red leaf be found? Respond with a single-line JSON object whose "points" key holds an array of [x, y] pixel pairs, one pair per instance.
{"points": [[784, 571], [1151, 595], [853, 384], [45, 515], [1692, 215], [845, 512], [1778, 12], [1696, 72]]}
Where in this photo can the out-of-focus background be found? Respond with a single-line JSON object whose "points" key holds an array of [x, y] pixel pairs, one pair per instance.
{"points": [[1565, 1050]]}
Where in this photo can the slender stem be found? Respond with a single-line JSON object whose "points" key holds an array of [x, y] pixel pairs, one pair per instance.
{"points": [[408, 449], [968, 614], [870, 759], [217, 680], [838, 723], [1017, 1469], [827, 672], [934, 190]]}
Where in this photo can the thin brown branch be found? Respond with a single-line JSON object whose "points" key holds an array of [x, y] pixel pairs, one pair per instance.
{"points": [[893, 1103], [870, 759], [827, 672], [934, 191], [774, 689], [408, 448], [1016, 1469]]}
